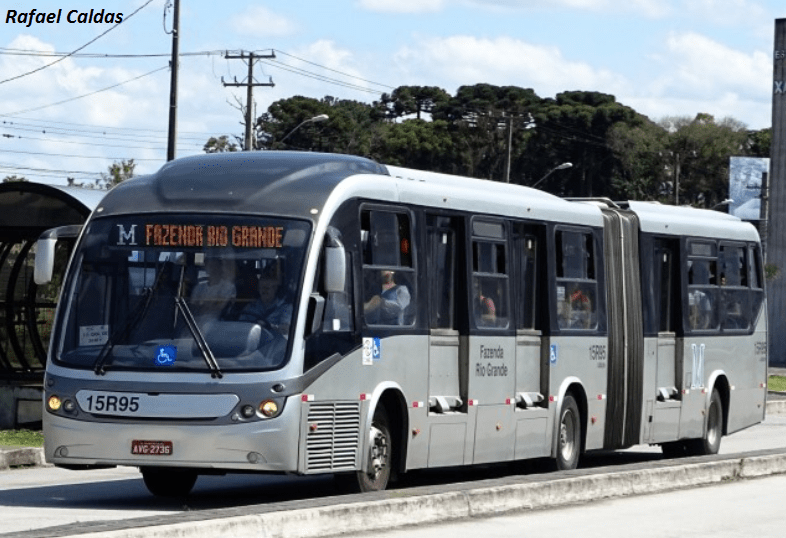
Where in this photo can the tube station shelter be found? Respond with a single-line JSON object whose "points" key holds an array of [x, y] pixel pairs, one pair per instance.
{"points": [[28, 209]]}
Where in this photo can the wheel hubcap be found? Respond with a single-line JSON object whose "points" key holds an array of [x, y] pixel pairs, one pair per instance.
{"points": [[378, 452], [566, 434]]}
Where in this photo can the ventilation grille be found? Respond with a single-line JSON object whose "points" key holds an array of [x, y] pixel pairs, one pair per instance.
{"points": [[333, 436]]}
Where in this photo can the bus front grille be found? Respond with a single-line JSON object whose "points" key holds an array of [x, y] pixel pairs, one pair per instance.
{"points": [[333, 437]]}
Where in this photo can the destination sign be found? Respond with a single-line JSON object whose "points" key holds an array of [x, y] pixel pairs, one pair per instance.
{"points": [[199, 235]]}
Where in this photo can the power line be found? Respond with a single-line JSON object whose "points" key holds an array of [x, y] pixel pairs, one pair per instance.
{"points": [[96, 55], [334, 70], [77, 50], [102, 129], [22, 152], [89, 94], [94, 143]]}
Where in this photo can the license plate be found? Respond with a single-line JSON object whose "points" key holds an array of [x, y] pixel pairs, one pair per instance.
{"points": [[151, 448]]}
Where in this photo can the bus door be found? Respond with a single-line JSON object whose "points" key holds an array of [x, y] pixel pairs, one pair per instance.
{"points": [[665, 280], [492, 347], [531, 414], [447, 385]]}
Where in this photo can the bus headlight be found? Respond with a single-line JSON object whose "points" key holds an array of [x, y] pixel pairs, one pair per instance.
{"points": [[269, 409], [54, 403]]}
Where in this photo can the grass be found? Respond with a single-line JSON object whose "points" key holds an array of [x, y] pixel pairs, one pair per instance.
{"points": [[21, 438], [777, 383]]}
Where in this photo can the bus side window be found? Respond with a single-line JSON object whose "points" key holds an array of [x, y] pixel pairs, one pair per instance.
{"points": [[441, 262], [734, 287], [490, 282], [576, 285], [526, 303], [702, 286], [389, 297]]}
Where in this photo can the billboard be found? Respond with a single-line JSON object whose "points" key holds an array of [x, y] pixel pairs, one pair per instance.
{"points": [[745, 181]]}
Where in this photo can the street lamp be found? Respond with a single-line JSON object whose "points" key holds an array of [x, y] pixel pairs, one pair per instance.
{"points": [[315, 119], [726, 202], [563, 166]]}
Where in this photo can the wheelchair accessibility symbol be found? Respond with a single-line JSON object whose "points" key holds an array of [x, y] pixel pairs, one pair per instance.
{"points": [[372, 350], [165, 355]]}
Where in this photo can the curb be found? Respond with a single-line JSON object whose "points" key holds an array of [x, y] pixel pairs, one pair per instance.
{"points": [[434, 508], [21, 457]]}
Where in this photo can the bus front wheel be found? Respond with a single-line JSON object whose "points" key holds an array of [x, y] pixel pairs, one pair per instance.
{"points": [[380, 454], [165, 482], [568, 435]]}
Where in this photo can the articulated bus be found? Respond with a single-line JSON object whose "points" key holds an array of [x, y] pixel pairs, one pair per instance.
{"points": [[304, 313]]}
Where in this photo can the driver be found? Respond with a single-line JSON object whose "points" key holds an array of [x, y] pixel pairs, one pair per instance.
{"points": [[271, 309]]}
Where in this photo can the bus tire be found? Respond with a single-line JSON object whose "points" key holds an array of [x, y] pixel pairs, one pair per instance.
{"points": [[568, 435], [710, 443], [380, 454], [165, 482]]}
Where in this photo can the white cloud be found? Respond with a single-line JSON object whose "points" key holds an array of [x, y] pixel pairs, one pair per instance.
{"points": [[699, 66], [261, 22], [461, 60], [727, 12], [403, 6], [697, 74], [647, 8]]}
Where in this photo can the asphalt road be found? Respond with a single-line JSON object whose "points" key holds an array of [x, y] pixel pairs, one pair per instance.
{"points": [[54, 502]]}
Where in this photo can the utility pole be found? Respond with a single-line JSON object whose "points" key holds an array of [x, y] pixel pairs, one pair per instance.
{"points": [[249, 83], [172, 139]]}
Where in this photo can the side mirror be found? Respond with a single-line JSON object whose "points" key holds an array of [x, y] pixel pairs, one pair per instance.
{"points": [[45, 251], [335, 269], [44, 261]]}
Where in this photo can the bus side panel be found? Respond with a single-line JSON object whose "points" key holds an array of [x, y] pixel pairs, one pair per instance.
{"points": [[576, 356], [402, 359], [748, 398]]}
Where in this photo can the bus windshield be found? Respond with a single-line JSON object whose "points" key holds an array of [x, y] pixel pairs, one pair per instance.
{"points": [[183, 293]]}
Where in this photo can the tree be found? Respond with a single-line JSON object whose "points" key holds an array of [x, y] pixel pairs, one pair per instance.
{"points": [[219, 144], [639, 150], [575, 128], [418, 100], [14, 178], [117, 173], [698, 152], [414, 143], [487, 123]]}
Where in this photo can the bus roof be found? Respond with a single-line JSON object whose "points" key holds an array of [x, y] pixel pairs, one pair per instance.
{"points": [[290, 182], [690, 221]]}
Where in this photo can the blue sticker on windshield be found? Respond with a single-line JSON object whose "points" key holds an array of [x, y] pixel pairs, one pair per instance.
{"points": [[165, 355]]}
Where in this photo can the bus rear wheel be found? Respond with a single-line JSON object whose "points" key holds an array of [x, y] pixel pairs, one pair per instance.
{"points": [[710, 443], [568, 435], [167, 482]]}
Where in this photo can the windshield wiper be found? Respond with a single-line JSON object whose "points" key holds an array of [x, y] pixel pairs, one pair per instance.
{"points": [[133, 320], [199, 338]]}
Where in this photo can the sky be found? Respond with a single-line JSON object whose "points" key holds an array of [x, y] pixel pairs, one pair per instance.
{"points": [[109, 100]]}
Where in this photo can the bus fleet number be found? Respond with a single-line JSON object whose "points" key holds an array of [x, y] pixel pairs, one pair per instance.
{"points": [[108, 403]]}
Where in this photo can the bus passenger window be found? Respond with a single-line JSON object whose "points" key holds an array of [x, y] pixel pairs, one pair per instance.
{"points": [[388, 275], [576, 285], [489, 284], [441, 264], [702, 287]]}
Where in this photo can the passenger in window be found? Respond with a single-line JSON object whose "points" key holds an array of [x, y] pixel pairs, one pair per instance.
{"points": [[212, 297], [272, 309], [581, 307], [700, 310], [387, 307], [486, 306]]}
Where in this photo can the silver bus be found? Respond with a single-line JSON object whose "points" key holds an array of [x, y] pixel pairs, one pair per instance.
{"points": [[305, 313]]}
